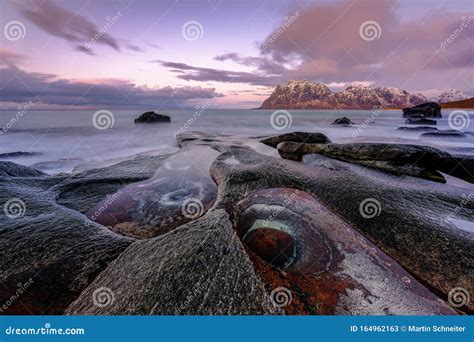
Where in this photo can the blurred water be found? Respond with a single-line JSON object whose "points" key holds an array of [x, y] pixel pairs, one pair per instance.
{"points": [[64, 139]]}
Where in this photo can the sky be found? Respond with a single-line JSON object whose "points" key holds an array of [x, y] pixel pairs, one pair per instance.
{"points": [[113, 54]]}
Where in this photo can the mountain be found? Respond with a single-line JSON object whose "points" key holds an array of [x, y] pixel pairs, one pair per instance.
{"points": [[463, 104], [311, 95], [450, 95]]}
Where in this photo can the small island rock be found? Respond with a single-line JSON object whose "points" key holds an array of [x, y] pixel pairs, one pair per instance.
{"points": [[152, 117]]}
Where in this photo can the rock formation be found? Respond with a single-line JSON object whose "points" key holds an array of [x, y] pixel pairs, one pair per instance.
{"points": [[310, 95], [152, 117]]}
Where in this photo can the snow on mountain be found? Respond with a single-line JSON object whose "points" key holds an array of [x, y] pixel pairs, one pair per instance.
{"points": [[311, 95], [450, 95]]}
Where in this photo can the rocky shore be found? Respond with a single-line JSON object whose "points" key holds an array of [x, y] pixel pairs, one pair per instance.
{"points": [[289, 224]]}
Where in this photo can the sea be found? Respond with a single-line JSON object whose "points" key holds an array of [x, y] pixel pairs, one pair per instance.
{"points": [[60, 141]]}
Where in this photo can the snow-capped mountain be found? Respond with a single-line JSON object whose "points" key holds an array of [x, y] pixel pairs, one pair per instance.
{"points": [[450, 95], [310, 95]]}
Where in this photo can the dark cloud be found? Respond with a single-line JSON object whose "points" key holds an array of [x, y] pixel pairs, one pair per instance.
{"points": [[18, 86], [68, 25], [84, 49], [264, 64], [134, 47], [191, 73]]}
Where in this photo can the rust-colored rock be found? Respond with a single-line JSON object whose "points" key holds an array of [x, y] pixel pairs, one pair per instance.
{"points": [[332, 268]]}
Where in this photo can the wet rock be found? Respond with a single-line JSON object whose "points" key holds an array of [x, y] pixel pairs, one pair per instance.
{"points": [[420, 121], [449, 133], [343, 121], [199, 268], [180, 190], [415, 225], [326, 254], [152, 117], [223, 143], [10, 169], [275, 246], [295, 151], [18, 154], [412, 160], [49, 253], [418, 128], [82, 191], [301, 137], [424, 110]]}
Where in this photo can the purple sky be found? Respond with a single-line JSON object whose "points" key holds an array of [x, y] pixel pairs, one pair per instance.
{"points": [[228, 54]]}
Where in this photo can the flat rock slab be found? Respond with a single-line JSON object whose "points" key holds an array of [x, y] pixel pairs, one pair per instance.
{"points": [[49, 253], [300, 137], [400, 159], [199, 268]]}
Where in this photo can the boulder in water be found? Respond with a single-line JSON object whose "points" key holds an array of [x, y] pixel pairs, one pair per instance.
{"points": [[420, 121], [449, 133], [152, 117], [343, 121], [424, 110]]}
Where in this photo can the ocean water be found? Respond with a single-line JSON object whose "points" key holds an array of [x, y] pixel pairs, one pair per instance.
{"points": [[57, 141]]}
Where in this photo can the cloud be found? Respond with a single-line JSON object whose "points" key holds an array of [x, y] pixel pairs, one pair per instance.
{"points": [[326, 38], [191, 73], [68, 25], [323, 43], [18, 86], [8, 57]]}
